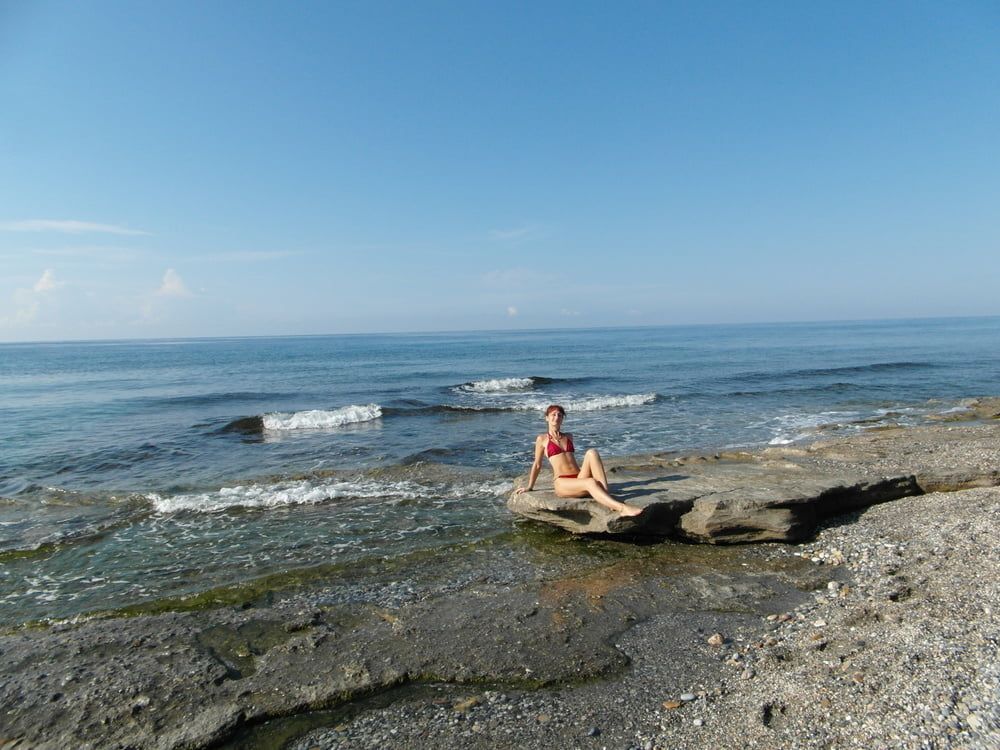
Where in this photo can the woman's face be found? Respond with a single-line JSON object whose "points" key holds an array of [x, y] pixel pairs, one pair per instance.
{"points": [[554, 419]]}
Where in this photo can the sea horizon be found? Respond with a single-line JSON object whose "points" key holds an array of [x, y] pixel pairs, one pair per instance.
{"points": [[490, 331]]}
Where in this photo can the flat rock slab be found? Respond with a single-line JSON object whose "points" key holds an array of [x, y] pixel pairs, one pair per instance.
{"points": [[716, 501], [775, 494]]}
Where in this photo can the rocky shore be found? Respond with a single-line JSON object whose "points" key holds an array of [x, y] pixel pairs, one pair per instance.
{"points": [[880, 630], [899, 648]]}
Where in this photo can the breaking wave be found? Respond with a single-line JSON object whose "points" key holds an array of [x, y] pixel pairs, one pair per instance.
{"points": [[497, 385], [312, 492], [318, 419], [594, 403], [588, 403]]}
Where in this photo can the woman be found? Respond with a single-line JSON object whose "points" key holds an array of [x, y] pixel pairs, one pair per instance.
{"points": [[571, 480]]}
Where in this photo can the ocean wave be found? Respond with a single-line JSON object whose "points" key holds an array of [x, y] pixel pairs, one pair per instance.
{"points": [[820, 372], [313, 492], [588, 403], [511, 384], [320, 419], [875, 367], [826, 388], [207, 399], [497, 385], [593, 403]]}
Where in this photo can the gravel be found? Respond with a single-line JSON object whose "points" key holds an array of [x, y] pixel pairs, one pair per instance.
{"points": [[898, 647]]}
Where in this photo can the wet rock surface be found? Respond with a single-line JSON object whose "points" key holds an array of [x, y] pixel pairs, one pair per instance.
{"points": [[196, 679], [880, 632]]}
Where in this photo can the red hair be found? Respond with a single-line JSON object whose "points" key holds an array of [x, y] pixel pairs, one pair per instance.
{"points": [[555, 407]]}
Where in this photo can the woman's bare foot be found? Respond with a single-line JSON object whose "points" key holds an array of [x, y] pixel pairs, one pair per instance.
{"points": [[630, 510]]}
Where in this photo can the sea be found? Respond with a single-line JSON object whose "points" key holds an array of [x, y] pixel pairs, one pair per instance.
{"points": [[149, 475]]}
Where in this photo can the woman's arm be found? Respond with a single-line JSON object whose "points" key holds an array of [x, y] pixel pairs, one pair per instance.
{"points": [[536, 466]]}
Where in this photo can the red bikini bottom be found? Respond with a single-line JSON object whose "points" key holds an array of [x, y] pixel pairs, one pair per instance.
{"points": [[569, 476]]}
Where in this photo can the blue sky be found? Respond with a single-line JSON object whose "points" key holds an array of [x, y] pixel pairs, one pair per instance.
{"points": [[233, 168]]}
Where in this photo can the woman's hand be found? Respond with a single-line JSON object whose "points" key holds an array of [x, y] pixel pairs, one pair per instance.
{"points": [[521, 490]]}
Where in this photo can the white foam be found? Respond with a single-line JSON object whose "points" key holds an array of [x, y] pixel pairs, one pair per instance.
{"points": [[793, 428], [591, 403], [955, 410], [609, 402], [311, 492], [319, 419], [497, 385]]}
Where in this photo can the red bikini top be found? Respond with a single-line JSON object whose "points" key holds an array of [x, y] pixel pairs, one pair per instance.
{"points": [[554, 449]]}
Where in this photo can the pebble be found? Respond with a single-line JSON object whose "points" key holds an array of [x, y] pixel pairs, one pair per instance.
{"points": [[716, 639], [698, 722], [687, 697]]}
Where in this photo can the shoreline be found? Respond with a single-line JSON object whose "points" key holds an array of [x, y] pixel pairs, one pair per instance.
{"points": [[582, 654]]}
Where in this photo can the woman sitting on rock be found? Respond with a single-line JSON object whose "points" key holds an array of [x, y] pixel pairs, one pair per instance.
{"points": [[571, 480]]}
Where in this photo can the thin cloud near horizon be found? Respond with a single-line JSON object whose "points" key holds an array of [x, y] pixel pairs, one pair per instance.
{"points": [[514, 234], [67, 226], [250, 255]]}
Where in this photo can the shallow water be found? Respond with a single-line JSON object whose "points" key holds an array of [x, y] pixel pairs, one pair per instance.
{"points": [[136, 471]]}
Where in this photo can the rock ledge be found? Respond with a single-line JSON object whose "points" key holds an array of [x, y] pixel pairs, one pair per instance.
{"points": [[775, 494]]}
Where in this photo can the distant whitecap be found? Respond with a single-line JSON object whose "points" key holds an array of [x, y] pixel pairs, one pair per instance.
{"points": [[497, 385], [594, 403]]}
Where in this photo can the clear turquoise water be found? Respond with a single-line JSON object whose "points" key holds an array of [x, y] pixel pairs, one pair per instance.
{"points": [[132, 471]]}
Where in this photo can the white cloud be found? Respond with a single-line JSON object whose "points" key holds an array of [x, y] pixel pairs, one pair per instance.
{"points": [[67, 226], [27, 302], [511, 311], [47, 282], [568, 312], [172, 285]]}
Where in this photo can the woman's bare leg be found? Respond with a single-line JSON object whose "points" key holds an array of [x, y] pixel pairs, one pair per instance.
{"points": [[593, 466], [566, 487]]}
